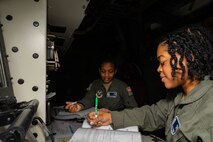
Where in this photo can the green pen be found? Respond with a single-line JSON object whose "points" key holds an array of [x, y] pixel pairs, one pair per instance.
{"points": [[96, 106], [98, 95]]}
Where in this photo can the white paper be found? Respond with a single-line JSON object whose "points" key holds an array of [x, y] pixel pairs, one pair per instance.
{"points": [[87, 125], [131, 129], [100, 135]]}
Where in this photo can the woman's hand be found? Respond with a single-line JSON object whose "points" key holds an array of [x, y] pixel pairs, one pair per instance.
{"points": [[73, 107], [104, 110], [103, 119]]}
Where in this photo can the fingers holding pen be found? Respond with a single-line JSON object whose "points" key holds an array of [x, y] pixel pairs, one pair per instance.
{"points": [[91, 118], [103, 119], [68, 104], [73, 106]]}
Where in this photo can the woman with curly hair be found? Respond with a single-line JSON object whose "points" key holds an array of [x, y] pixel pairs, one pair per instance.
{"points": [[185, 60]]}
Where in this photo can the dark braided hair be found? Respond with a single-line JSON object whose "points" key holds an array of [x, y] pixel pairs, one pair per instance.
{"points": [[194, 43]]}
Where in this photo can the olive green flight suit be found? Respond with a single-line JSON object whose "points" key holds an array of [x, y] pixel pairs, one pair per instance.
{"points": [[185, 120], [118, 96]]}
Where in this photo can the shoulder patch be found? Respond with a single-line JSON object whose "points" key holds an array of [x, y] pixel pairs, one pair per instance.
{"points": [[89, 87], [129, 90]]}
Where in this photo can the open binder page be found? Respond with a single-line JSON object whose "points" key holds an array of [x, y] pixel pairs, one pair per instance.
{"points": [[100, 135]]}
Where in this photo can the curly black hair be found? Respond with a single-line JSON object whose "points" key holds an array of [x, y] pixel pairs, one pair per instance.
{"points": [[193, 42]]}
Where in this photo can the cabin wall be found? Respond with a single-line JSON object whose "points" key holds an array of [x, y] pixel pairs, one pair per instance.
{"points": [[24, 31]]}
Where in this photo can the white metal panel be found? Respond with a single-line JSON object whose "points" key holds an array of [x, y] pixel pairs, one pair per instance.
{"points": [[25, 34], [24, 30], [18, 18]]}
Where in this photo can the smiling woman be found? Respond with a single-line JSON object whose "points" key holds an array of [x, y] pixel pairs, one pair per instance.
{"points": [[115, 94]]}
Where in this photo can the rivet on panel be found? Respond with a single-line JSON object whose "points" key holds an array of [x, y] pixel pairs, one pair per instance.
{"points": [[36, 23], [9, 17], [21, 81], [35, 55], [15, 49], [35, 88]]}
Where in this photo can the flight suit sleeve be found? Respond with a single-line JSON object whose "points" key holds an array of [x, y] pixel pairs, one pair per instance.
{"points": [[128, 97], [88, 100], [149, 118], [203, 135]]}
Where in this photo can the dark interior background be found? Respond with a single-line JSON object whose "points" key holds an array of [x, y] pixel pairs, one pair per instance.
{"points": [[127, 30]]}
